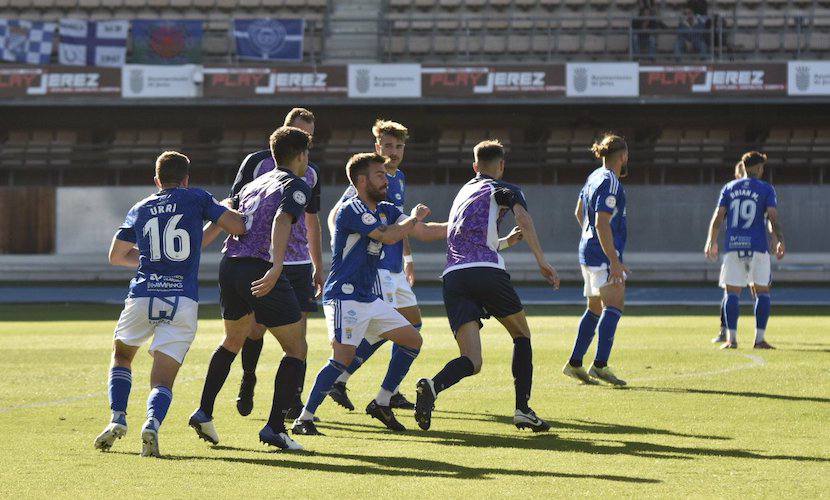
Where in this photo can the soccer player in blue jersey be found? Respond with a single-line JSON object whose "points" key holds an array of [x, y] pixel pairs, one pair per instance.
{"points": [[303, 263], [396, 267], [161, 237], [746, 204], [254, 289], [601, 213], [740, 173], [352, 303], [477, 286]]}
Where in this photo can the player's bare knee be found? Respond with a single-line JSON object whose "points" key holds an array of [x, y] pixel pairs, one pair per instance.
{"points": [[233, 343], [257, 332], [477, 363]]}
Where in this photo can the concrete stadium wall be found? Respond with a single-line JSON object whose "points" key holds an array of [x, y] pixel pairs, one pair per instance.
{"points": [[661, 218]]}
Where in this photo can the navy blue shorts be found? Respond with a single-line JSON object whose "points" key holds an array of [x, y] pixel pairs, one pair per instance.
{"points": [[475, 293], [301, 276], [278, 308]]}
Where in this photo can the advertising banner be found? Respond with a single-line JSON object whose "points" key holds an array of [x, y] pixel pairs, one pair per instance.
{"points": [[384, 80], [239, 81], [602, 80], [712, 79], [148, 81], [511, 81], [808, 78], [23, 81]]}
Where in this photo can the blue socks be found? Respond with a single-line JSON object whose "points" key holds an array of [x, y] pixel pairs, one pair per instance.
{"points": [[402, 358], [587, 325], [732, 308], [762, 306], [120, 383], [325, 379], [606, 329], [157, 404]]}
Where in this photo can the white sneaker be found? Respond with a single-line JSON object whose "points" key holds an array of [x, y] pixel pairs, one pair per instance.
{"points": [[204, 427], [578, 373], [150, 442], [113, 431], [606, 375]]}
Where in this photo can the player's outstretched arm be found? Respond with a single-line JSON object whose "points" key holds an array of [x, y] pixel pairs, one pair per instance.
{"points": [[430, 231], [123, 253], [513, 237], [232, 222], [777, 231], [711, 248], [616, 271], [525, 223], [394, 233], [280, 232]]}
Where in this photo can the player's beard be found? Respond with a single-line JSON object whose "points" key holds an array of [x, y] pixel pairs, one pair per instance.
{"points": [[376, 195], [624, 170]]}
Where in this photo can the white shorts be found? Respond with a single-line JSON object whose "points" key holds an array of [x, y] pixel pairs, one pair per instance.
{"points": [[595, 277], [745, 268], [396, 290], [170, 321], [349, 321]]}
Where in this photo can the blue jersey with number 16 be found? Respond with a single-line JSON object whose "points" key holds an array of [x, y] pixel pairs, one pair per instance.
{"points": [[746, 201], [167, 229]]}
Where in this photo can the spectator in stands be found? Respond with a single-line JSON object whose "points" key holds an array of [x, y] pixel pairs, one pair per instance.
{"points": [[644, 33], [699, 7], [692, 30]]}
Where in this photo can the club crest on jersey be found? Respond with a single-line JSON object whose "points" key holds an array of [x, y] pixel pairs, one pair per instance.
{"points": [[611, 201], [299, 197], [368, 219], [347, 288]]}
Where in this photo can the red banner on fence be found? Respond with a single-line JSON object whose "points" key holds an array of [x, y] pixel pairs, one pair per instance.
{"points": [[708, 79], [29, 81], [512, 81], [242, 81]]}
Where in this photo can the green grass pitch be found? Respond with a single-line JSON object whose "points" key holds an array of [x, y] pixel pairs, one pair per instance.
{"points": [[695, 421]]}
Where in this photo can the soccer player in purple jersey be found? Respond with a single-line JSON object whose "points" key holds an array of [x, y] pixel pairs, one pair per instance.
{"points": [[161, 237], [746, 204], [303, 265], [254, 289], [477, 286]]}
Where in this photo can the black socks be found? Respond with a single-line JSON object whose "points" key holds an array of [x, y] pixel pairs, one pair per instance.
{"points": [[522, 371], [218, 369], [452, 373]]}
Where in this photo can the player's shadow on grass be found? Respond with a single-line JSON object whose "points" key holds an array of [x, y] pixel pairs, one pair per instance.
{"points": [[552, 442], [402, 466], [576, 425], [754, 395]]}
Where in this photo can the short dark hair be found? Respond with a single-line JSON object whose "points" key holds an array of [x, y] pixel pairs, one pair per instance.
{"points": [[359, 163], [387, 127], [608, 145], [753, 158], [172, 167], [488, 151], [298, 114], [287, 143]]}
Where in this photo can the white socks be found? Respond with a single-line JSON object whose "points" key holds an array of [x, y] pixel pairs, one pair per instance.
{"points": [[732, 336], [344, 377], [759, 335], [306, 415], [384, 397]]}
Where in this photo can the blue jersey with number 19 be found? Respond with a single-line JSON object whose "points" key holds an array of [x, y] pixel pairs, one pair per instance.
{"points": [[746, 202], [167, 229]]}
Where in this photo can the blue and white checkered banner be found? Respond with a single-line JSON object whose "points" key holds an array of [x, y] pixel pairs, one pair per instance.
{"points": [[269, 39], [26, 41], [91, 43]]}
